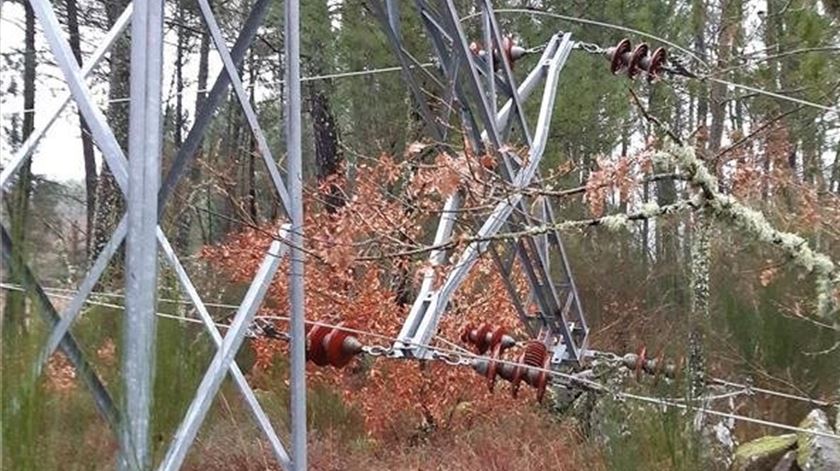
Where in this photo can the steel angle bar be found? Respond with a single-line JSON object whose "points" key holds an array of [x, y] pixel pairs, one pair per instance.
{"points": [[436, 258], [513, 292], [31, 142], [81, 93], [71, 312], [486, 26], [450, 95], [297, 314], [555, 237], [426, 297], [220, 364], [104, 403], [211, 102], [145, 145], [460, 45], [540, 207], [462, 49], [397, 46], [500, 214], [244, 101], [239, 378], [528, 85], [450, 67], [506, 69], [393, 9]]}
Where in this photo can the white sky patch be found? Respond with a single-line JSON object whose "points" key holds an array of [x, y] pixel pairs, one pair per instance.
{"points": [[58, 155]]}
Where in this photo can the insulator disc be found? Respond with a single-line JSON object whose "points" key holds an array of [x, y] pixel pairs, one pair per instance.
{"points": [[617, 61], [316, 353]]}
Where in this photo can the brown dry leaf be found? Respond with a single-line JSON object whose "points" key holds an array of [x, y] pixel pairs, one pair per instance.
{"points": [[767, 275], [415, 148]]}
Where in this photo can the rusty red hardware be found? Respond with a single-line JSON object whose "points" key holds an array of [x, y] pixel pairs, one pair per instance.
{"points": [[619, 55], [512, 52], [654, 63], [635, 60], [640, 363], [331, 346], [634, 66], [486, 337], [532, 367]]}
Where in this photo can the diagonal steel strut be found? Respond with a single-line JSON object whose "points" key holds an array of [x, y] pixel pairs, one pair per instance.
{"points": [[560, 313], [117, 162]]}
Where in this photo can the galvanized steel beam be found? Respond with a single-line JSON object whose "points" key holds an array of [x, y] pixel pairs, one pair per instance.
{"points": [[145, 144], [297, 382], [220, 365]]}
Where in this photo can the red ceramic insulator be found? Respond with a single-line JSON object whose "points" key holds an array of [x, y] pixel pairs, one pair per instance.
{"points": [[620, 55], [315, 351], [493, 366], [536, 355], [639, 54], [518, 373], [485, 337], [331, 346], [511, 51], [542, 379], [655, 63], [658, 366]]}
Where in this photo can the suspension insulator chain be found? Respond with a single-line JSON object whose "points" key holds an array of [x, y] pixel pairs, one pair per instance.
{"points": [[623, 57], [532, 367], [331, 346], [487, 337], [641, 363]]}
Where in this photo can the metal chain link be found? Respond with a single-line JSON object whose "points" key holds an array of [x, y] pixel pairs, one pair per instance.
{"points": [[378, 350], [591, 48], [451, 358], [536, 49]]}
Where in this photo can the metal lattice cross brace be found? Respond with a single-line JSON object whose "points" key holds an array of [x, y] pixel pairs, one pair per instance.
{"points": [[229, 344], [560, 319], [66, 61], [116, 160], [223, 360]]}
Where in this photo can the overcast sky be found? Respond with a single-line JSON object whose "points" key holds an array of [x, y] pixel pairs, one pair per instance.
{"points": [[59, 153]]}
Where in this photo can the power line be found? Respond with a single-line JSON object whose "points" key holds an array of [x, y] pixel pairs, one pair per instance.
{"points": [[462, 353], [663, 41], [336, 75]]}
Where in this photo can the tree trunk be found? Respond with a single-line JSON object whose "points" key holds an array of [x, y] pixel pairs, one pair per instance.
{"points": [[252, 153], [18, 204], [87, 141], [699, 269], [179, 77], [186, 215], [327, 152], [109, 202]]}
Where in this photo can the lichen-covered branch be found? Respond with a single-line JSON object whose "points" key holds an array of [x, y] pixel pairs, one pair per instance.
{"points": [[727, 208], [699, 305]]}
